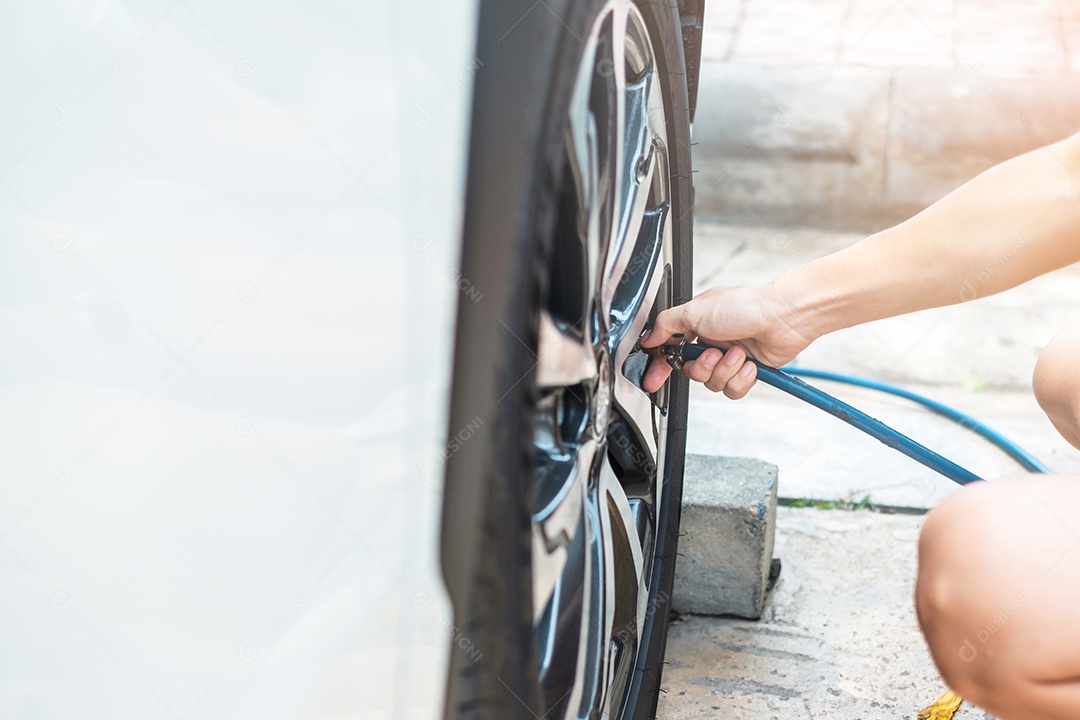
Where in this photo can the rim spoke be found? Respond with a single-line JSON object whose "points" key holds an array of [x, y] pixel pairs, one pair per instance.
{"points": [[562, 360], [635, 407], [636, 167], [595, 616], [624, 525], [561, 568], [637, 287], [583, 143], [640, 283], [623, 581], [581, 132], [559, 509], [560, 622]]}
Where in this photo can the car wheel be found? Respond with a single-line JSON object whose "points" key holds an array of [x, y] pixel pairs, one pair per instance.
{"points": [[561, 514]]}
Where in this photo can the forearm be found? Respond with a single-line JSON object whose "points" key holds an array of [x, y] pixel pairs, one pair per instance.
{"points": [[1010, 224]]}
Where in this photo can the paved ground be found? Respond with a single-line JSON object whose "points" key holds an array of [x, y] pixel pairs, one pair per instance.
{"points": [[858, 113], [819, 117], [839, 638]]}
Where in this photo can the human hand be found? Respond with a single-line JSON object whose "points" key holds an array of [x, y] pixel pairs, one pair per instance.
{"points": [[742, 324]]}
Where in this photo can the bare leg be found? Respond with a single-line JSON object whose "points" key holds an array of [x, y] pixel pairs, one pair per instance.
{"points": [[1057, 382], [998, 595]]}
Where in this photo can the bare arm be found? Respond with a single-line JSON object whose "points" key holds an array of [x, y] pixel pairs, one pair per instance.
{"points": [[1012, 223]]}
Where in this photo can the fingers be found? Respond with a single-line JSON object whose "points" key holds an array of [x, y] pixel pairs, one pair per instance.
{"points": [[731, 373], [745, 379], [656, 375], [703, 368], [670, 322]]}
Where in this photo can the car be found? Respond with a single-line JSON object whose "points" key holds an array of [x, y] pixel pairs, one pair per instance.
{"points": [[316, 327]]}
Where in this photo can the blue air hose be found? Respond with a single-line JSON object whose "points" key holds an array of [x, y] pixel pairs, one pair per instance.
{"points": [[1017, 453], [871, 426], [682, 351]]}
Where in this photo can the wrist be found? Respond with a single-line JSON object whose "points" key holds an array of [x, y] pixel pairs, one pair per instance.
{"points": [[808, 300]]}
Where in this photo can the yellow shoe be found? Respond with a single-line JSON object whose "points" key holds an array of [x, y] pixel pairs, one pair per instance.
{"points": [[943, 708]]}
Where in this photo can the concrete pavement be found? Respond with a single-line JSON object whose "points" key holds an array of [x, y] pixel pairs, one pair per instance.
{"points": [[838, 640]]}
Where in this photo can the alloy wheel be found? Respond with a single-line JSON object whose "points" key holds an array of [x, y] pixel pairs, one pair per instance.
{"points": [[599, 441]]}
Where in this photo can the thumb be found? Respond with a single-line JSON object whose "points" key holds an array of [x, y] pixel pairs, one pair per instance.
{"points": [[672, 321]]}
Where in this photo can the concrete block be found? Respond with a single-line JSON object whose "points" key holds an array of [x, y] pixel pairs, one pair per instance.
{"points": [[728, 529]]}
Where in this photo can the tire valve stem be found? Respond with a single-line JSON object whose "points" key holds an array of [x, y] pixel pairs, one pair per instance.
{"points": [[637, 362], [672, 352]]}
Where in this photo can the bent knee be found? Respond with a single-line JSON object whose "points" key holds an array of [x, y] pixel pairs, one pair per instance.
{"points": [[957, 589], [1057, 385]]}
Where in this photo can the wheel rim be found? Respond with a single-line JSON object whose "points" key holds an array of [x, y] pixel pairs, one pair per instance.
{"points": [[599, 440]]}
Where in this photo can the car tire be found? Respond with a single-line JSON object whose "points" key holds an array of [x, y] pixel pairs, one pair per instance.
{"points": [[537, 277]]}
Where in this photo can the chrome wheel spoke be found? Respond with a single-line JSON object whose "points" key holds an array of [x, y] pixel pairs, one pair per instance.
{"points": [[578, 244], [641, 139], [636, 293], [624, 579], [636, 166], [593, 657], [561, 563], [634, 406], [562, 358], [643, 228], [560, 625], [623, 528], [562, 483]]}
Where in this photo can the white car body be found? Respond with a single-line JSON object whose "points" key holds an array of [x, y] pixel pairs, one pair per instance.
{"points": [[228, 251]]}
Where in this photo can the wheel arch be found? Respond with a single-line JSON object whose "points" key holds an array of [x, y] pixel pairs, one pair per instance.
{"points": [[692, 16]]}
